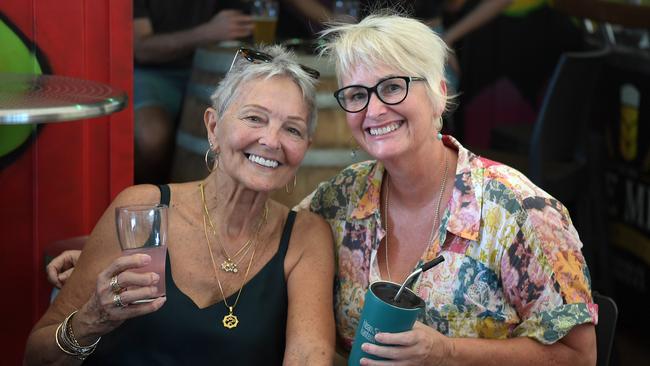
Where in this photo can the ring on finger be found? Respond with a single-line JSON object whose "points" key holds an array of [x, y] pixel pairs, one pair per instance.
{"points": [[115, 285], [117, 301]]}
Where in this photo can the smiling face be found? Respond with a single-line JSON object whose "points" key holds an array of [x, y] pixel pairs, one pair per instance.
{"points": [[389, 131], [263, 135]]}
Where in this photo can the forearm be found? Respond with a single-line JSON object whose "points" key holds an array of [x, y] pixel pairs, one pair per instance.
{"points": [[41, 349], [514, 351], [310, 353], [480, 15], [160, 48]]}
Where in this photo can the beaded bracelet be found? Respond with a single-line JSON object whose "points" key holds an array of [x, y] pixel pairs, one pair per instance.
{"points": [[67, 342]]}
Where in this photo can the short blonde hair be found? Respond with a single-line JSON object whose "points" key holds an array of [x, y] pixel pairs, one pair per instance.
{"points": [[392, 40]]}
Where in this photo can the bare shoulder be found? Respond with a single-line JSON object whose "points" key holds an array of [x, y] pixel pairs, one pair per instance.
{"points": [[311, 230], [182, 193], [310, 222], [102, 245], [138, 194], [311, 248]]}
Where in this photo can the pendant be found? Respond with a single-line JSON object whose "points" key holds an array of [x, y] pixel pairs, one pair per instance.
{"points": [[230, 321], [229, 266]]}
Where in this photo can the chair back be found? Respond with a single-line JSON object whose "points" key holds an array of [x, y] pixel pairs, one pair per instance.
{"points": [[606, 327], [562, 121]]}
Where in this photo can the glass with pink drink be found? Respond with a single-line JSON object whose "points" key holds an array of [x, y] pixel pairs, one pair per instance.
{"points": [[143, 229]]}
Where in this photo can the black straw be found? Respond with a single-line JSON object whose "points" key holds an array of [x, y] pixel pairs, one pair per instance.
{"points": [[423, 268], [428, 265]]}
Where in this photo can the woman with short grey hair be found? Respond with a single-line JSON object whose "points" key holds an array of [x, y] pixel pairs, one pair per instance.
{"points": [[248, 281]]}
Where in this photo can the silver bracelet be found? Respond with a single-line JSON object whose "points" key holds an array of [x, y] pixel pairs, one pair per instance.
{"points": [[67, 342]]}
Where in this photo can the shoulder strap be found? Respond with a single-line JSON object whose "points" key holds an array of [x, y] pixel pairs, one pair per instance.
{"points": [[286, 232], [164, 199], [165, 194]]}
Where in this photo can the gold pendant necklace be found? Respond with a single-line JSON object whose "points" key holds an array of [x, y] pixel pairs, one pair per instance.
{"points": [[230, 320], [230, 263], [436, 217]]}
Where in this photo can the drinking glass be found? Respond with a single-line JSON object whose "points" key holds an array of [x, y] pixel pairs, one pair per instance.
{"points": [[143, 229], [265, 19]]}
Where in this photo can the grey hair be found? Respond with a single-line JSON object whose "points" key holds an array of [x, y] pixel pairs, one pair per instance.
{"points": [[283, 64], [393, 40]]}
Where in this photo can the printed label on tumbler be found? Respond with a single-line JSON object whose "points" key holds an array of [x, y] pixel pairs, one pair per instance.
{"points": [[367, 331]]}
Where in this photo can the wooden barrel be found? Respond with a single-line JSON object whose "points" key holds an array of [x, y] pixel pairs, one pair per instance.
{"points": [[332, 141], [208, 68]]}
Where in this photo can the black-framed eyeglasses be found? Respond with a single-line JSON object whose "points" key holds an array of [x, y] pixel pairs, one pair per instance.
{"points": [[391, 91], [256, 56]]}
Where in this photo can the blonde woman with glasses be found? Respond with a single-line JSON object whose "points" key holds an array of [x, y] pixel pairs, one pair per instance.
{"points": [[513, 289]]}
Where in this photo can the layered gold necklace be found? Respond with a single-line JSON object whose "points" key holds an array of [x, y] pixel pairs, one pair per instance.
{"points": [[230, 320], [230, 263], [436, 218]]}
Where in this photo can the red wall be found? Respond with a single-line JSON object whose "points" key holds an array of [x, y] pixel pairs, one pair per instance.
{"points": [[66, 176]]}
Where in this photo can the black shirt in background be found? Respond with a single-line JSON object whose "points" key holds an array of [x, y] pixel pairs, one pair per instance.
{"points": [[169, 16], [291, 24]]}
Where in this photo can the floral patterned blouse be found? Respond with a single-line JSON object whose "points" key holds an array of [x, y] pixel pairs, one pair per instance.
{"points": [[513, 265]]}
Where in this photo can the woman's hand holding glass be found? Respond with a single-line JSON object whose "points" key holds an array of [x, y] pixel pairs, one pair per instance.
{"points": [[132, 285], [104, 312]]}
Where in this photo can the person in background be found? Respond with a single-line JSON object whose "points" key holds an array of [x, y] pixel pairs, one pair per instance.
{"points": [[231, 250], [165, 35], [305, 18], [520, 40], [514, 288]]}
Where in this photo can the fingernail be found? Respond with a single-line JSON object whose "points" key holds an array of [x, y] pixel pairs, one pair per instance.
{"points": [[161, 300], [155, 277], [145, 258], [364, 347]]}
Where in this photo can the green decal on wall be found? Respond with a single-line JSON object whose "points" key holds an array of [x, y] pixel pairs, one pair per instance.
{"points": [[16, 57]]}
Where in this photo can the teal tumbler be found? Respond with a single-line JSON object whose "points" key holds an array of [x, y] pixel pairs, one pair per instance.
{"points": [[381, 314]]}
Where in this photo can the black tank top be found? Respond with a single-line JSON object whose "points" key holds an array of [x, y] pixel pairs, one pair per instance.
{"points": [[179, 333]]}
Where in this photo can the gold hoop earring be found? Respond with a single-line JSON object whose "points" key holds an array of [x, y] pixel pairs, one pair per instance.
{"points": [[215, 160], [205, 158], [286, 186]]}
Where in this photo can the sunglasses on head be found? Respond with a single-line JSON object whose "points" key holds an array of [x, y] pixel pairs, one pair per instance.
{"points": [[256, 56]]}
